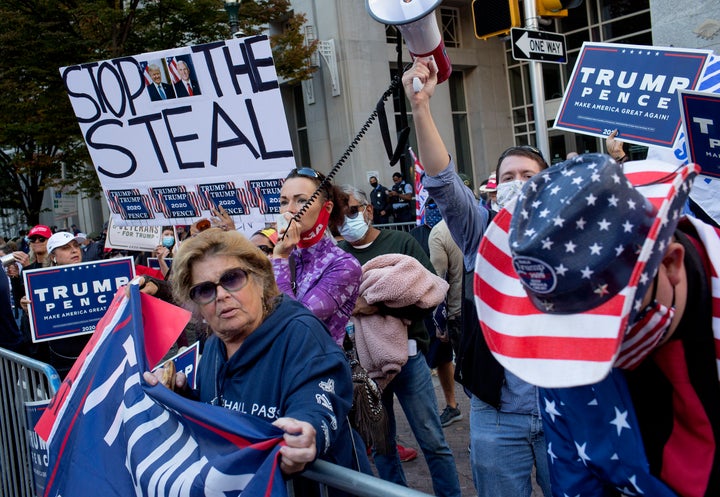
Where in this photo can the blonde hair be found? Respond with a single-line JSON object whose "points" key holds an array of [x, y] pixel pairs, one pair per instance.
{"points": [[215, 241]]}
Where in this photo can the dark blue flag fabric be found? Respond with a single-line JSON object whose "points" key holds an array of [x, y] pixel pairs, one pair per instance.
{"points": [[116, 436]]}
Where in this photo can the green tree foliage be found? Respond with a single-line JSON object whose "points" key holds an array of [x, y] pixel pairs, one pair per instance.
{"points": [[39, 135]]}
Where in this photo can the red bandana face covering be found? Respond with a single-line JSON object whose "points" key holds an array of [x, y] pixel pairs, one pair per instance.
{"points": [[313, 235]]}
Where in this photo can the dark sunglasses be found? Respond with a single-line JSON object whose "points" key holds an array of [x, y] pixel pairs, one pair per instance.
{"points": [[525, 148], [231, 280], [37, 239], [266, 249], [353, 210], [307, 171]]}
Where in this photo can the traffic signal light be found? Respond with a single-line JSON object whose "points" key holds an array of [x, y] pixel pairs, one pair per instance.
{"points": [[495, 17], [555, 8]]}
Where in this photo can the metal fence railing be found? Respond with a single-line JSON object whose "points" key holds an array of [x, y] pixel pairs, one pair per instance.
{"points": [[354, 482], [406, 227], [22, 380]]}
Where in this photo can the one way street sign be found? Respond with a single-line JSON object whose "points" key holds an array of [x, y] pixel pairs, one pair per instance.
{"points": [[538, 45]]}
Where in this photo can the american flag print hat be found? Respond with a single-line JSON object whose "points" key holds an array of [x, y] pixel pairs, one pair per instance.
{"points": [[561, 271]]}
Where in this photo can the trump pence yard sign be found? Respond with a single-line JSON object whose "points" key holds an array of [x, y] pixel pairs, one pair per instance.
{"points": [[631, 88]]}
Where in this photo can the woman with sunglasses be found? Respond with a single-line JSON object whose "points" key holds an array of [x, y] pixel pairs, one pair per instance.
{"points": [[38, 238], [506, 435], [268, 356], [308, 266]]}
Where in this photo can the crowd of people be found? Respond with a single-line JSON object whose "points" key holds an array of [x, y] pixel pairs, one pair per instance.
{"points": [[286, 304]]}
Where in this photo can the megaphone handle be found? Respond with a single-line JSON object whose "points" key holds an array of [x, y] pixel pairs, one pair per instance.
{"points": [[417, 84]]}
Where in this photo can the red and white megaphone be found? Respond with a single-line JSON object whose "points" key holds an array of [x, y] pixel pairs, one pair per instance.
{"points": [[416, 22]]}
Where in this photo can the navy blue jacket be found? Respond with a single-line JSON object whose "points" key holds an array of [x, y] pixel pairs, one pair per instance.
{"points": [[289, 366]]}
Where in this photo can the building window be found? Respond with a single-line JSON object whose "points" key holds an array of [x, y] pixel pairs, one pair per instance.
{"points": [[450, 26], [458, 108], [303, 144], [594, 21], [391, 34]]}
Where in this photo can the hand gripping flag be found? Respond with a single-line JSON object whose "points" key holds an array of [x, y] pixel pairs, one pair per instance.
{"points": [[117, 436]]}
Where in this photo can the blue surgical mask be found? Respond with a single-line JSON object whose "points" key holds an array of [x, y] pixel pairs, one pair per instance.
{"points": [[353, 229], [168, 241]]}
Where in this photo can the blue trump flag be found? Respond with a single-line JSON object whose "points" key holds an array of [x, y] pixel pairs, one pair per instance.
{"points": [[114, 435]]}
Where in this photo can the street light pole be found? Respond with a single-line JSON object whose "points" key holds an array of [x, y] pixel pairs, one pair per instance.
{"points": [[232, 7]]}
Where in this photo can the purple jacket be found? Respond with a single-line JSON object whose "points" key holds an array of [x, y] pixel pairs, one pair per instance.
{"points": [[328, 281]]}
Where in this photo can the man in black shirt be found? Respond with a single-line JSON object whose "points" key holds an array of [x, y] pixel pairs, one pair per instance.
{"points": [[379, 201]]}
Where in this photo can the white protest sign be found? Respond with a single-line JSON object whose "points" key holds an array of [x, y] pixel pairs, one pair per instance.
{"points": [[167, 150], [142, 238]]}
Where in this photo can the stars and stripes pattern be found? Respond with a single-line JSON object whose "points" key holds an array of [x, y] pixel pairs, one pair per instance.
{"points": [[173, 69], [580, 347], [594, 441], [639, 341], [146, 72], [250, 195], [246, 198], [421, 194]]}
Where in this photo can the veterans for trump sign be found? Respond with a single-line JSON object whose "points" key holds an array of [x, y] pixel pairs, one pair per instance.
{"points": [[70, 300], [167, 150], [143, 238], [631, 88]]}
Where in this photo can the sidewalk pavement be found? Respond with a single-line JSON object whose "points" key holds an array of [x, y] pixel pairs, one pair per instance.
{"points": [[457, 436]]}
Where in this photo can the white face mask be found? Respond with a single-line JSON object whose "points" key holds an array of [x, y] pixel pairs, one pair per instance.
{"points": [[353, 229], [508, 191]]}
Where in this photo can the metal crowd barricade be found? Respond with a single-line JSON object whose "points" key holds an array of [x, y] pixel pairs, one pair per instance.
{"points": [[354, 482], [406, 227], [22, 380]]}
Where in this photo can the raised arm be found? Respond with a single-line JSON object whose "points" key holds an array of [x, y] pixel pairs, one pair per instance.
{"points": [[433, 153]]}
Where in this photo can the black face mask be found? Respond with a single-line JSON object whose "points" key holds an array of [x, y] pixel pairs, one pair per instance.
{"points": [[373, 184]]}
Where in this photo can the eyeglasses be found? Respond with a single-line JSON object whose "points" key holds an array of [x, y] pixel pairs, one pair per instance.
{"points": [[353, 210], [525, 148], [266, 249], [231, 280], [37, 239]]}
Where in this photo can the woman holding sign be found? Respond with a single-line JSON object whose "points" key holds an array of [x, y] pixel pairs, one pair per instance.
{"points": [[165, 249], [63, 248]]}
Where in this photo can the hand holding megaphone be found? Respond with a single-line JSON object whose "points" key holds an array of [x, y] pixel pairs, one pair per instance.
{"points": [[417, 83], [421, 76]]}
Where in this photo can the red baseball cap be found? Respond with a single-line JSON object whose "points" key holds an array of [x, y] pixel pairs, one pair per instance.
{"points": [[40, 230]]}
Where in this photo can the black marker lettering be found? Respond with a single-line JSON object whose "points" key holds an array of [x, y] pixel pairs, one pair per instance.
{"points": [[151, 133], [107, 146], [183, 138], [258, 135], [215, 144], [73, 94]]}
